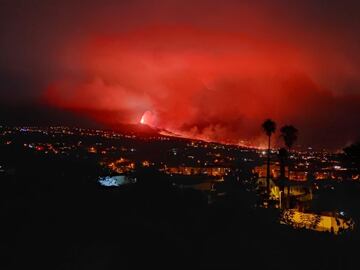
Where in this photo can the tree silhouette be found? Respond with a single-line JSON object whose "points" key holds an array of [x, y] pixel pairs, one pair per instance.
{"points": [[269, 127], [283, 155], [289, 134], [351, 155]]}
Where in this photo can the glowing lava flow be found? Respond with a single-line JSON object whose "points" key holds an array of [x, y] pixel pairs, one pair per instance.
{"points": [[142, 120], [148, 118]]}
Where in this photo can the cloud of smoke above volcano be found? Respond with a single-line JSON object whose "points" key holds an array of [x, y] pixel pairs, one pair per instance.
{"points": [[212, 85], [214, 75]]}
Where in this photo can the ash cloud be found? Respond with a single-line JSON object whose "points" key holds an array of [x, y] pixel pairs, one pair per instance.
{"points": [[205, 74]]}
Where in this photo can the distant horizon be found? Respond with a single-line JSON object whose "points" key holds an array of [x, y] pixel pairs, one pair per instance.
{"points": [[122, 130]]}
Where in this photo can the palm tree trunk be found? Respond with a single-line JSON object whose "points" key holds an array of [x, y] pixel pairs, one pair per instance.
{"points": [[289, 165], [268, 170], [289, 173]]}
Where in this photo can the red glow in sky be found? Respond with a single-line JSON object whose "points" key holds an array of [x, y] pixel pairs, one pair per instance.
{"points": [[203, 69], [206, 84]]}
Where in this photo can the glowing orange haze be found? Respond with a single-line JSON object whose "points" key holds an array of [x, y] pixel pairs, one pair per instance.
{"points": [[215, 85]]}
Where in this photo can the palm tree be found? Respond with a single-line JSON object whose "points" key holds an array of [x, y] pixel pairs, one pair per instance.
{"points": [[289, 134], [282, 157], [269, 127]]}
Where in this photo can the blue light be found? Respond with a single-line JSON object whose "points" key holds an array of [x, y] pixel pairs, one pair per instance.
{"points": [[115, 181]]}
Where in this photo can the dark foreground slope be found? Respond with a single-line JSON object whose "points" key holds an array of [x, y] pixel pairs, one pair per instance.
{"points": [[54, 215]]}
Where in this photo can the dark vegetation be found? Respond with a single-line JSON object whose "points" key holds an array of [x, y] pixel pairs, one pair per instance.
{"points": [[55, 215]]}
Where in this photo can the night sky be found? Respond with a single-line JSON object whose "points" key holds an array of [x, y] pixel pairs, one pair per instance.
{"points": [[205, 69]]}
